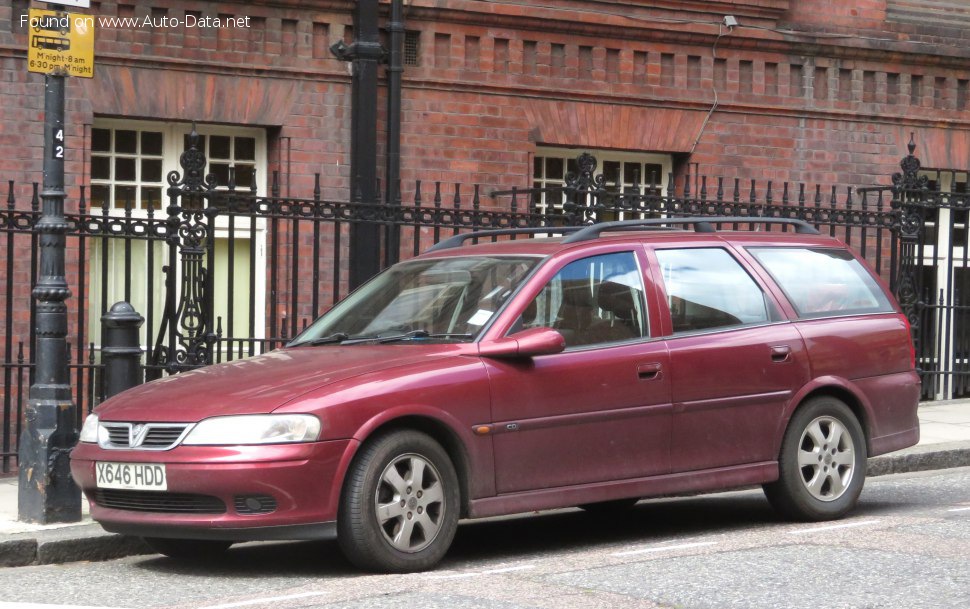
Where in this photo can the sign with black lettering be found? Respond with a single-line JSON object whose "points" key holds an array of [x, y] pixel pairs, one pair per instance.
{"points": [[60, 43]]}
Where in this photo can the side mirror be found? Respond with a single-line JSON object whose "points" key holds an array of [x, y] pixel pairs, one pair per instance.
{"points": [[528, 343]]}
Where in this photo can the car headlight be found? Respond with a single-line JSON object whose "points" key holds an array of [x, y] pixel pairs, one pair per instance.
{"points": [[89, 431], [255, 429]]}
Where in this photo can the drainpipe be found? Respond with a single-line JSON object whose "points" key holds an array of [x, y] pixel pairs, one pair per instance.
{"points": [[366, 55], [395, 69]]}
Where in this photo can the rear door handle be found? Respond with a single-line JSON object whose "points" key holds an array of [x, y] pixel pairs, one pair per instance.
{"points": [[650, 371], [780, 353]]}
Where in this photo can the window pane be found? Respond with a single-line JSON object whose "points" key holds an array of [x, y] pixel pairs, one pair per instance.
{"points": [[151, 170], [632, 173], [611, 172], [99, 195], [124, 169], [124, 196], [707, 288], [653, 174], [245, 148], [554, 169], [100, 168], [220, 171], [126, 141], [151, 197], [591, 301], [151, 143], [219, 147], [537, 167], [244, 176], [823, 282], [101, 140]]}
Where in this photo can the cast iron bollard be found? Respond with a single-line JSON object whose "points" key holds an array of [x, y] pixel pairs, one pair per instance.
{"points": [[121, 352]]}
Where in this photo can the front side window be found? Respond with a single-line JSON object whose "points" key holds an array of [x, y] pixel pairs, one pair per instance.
{"points": [[591, 301], [823, 282], [708, 288], [438, 299]]}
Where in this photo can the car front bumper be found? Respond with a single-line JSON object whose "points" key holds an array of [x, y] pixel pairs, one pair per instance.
{"points": [[297, 486]]}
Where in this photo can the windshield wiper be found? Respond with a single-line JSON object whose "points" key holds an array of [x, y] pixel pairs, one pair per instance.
{"points": [[335, 338], [422, 334]]}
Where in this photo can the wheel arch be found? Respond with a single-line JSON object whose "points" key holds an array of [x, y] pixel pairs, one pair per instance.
{"points": [[440, 432], [842, 392]]}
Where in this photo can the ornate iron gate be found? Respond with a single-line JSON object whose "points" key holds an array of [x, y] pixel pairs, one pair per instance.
{"points": [[934, 273]]}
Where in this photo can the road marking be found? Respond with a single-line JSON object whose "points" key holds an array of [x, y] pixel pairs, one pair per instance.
{"points": [[10, 605], [833, 527], [268, 599], [651, 550], [966, 509], [474, 573]]}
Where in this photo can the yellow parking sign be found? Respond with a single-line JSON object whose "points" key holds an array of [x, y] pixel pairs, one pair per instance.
{"points": [[61, 42]]}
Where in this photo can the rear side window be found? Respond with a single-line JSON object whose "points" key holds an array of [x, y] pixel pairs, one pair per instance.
{"points": [[707, 288], [823, 282]]}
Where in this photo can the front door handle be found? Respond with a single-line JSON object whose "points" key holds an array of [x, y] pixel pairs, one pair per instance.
{"points": [[780, 353], [648, 372]]}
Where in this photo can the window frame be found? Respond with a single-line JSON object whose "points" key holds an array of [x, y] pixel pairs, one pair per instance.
{"points": [[173, 133], [602, 156]]}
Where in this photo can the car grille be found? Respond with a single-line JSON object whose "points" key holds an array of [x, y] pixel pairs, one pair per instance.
{"points": [[149, 501], [144, 436]]}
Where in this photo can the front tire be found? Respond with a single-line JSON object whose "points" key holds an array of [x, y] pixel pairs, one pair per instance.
{"points": [[822, 465], [400, 503]]}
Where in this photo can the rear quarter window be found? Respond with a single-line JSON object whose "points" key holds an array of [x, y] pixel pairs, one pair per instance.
{"points": [[823, 282]]}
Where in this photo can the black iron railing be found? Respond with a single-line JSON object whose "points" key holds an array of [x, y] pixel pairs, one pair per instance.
{"points": [[222, 273]]}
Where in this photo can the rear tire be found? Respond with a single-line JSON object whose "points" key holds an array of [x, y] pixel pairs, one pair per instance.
{"points": [[194, 550], [400, 504], [822, 465]]}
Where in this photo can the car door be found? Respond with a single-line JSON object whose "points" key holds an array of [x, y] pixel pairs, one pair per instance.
{"points": [[735, 362], [598, 411]]}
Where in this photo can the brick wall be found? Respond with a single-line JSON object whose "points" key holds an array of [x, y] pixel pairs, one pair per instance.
{"points": [[495, 81]]}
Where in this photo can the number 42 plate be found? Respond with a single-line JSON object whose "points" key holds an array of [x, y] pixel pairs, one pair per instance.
{"points": [[131, 476]]}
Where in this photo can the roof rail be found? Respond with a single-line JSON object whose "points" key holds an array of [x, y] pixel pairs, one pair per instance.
{"points": [[458, 240], [593, 231], [700, 225]]}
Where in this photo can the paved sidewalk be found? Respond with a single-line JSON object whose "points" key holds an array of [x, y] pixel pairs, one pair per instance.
{"points": [[944, 442]]}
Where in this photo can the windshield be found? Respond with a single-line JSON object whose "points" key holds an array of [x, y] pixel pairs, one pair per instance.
{"points": [[443, 299]]}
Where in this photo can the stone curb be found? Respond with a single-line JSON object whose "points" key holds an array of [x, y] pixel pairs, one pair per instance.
{"points": [[925, 458], [90, 543]]}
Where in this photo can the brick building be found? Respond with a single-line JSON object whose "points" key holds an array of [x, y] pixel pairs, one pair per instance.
{"points": [[500, 93]]}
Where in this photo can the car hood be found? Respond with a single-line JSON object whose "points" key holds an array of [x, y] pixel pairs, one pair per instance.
{"points": [[263, 383]]}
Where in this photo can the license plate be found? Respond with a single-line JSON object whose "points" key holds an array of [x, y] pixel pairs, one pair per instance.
{"points": [[131, 476]]}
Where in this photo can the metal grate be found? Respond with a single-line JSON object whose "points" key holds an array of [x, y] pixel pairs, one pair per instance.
{"points": [[149, 501], [254, 504], [412, 48]]}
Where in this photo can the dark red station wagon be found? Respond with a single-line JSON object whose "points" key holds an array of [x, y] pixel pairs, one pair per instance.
{"points": [[621, 361]]}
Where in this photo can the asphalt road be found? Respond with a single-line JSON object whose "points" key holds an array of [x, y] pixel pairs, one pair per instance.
{"points": [[906, 546]]}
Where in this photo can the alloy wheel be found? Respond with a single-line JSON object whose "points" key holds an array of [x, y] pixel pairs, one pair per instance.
{"points": [[826, 458], [409, 503]]}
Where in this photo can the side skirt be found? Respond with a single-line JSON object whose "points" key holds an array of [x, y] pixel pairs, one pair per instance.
{"points": [[669, 484]]}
